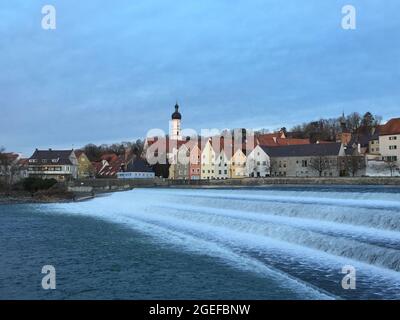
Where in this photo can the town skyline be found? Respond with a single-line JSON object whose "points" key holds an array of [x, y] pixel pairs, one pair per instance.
{"points": [[111, 82], [30, 149]]}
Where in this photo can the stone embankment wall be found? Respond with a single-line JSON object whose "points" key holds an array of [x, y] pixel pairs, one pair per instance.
{"points": [[110, 185]]}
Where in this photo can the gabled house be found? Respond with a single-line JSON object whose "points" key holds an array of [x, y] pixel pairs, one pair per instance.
{"points": [[222, 165], [195, 162], [85, 167], [258, 163], [182, 165], [109, 165], [238, 165], [208, 157], [61, 165]]}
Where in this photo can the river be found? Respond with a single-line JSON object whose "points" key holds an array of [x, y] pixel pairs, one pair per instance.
{"points": [[216, 243]]}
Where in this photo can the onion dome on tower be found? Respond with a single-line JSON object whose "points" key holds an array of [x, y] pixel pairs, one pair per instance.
{"points": [[176, 115]]}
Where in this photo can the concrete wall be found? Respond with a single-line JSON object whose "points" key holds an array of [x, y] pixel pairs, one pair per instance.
{"points": [[107, 185]]}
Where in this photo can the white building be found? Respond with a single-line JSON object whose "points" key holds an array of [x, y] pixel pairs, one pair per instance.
{"points": [[222, 165], [258, 163], [137, 168], [389, 141]]}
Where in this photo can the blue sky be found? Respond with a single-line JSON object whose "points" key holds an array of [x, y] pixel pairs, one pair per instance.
{"points": [[113, 70]]}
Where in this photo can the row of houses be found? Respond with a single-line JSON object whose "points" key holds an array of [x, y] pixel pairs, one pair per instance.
{"points": [[369, 151], [66, 165]]}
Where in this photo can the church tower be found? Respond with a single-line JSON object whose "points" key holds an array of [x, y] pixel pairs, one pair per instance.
{"points": [[175, 125]]}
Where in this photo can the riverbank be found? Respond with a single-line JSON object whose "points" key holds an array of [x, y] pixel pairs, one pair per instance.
{"points": [[81, 190], [18, 197]]}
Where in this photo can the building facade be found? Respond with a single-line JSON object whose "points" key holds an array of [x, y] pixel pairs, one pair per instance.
{"points": [[258, 163], [310, 160], [222, 165], [195, 162], [61, 165], [208, 161], [389, 141], [85, 167], [238, 165]]}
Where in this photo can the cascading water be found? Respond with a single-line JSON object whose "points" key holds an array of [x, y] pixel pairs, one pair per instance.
{"points": [[300, 238]]}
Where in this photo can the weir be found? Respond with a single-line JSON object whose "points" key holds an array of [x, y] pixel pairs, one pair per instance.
{"points": [[306, 236]]}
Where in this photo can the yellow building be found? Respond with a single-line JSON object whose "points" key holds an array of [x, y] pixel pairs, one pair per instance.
{"points": [[85, 167], [238, 165], [208, 162]]}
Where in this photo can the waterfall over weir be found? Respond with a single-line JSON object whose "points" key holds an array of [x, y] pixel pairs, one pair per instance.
{"points": [[298, 237]]}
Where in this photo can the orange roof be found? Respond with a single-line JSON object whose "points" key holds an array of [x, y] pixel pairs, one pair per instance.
{"points": [[109, 157], [271, 140], [391, 127]]}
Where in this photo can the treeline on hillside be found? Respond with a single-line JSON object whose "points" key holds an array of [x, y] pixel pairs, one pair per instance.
{"points": [[326, 129], [95, 152]]}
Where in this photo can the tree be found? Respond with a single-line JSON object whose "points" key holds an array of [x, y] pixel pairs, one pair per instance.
{"points": [[353, 121], [320, 164], [273, 166], [351, 165], [93, 152], [138, 147], [8, 166], [368, 120], [392, 165]]}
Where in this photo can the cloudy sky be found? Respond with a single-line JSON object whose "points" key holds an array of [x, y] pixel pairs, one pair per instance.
{"points": [[112, 70]]}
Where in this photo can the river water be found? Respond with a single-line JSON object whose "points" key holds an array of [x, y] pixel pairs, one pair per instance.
{"points": [[242, 243]]}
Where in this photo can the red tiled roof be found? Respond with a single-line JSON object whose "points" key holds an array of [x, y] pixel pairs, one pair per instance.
{"points": [[391, 127], [109, 157], [271, 140]]}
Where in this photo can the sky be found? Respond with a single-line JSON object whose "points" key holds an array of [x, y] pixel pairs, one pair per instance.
{"points": [[113, 70]]}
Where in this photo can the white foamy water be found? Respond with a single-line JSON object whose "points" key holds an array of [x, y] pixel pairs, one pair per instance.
{"points": [[299, 239]]}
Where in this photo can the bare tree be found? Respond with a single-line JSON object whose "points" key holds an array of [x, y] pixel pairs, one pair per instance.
{"points": [[351, 164], [273, 165], [8, 167], [320, 164], [391, 165]]}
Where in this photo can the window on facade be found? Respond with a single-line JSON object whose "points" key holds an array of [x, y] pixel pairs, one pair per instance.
{"points": [[219, 171], [304, 163], [393, 147]]}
